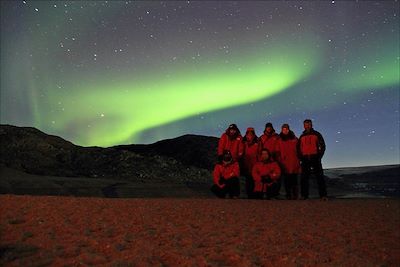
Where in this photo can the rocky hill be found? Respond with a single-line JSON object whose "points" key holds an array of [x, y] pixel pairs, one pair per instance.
{"points": [[32, 151], [192, 150]]}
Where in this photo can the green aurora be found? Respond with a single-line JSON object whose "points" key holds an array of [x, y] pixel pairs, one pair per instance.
{"points": [[117, 111], [107, 113]]}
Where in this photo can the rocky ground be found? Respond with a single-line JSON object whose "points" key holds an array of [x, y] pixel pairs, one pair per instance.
{"points": [[73, 231]]}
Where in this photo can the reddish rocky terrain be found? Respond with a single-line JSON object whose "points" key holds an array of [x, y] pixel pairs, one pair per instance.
{"points": [[71, 231]]}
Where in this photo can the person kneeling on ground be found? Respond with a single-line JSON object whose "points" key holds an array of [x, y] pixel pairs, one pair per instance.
{"points": [[226, 177], [266, 175]]}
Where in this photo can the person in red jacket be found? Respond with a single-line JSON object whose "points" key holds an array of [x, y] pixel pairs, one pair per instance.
{"points": [[226, 177], [289, 161], [266, 174], [250, 156], [231, 140], [269, 140], [311, 148]]}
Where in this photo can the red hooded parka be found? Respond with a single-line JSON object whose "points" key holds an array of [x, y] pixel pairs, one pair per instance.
{"points": [[233, 144], [261, 169], [225, 171], [250, 156], [287, 153], [269, 142]]}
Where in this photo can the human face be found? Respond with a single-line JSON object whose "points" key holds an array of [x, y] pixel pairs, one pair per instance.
{"points": [[307, 126], [232, 132], [268, 130], [264, 155], [285, 130], [250, 136]]}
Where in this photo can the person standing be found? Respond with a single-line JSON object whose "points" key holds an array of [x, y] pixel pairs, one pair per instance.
{"points": [[250, 156], [269, 140], [289, 161], [231, 140], [226, 177], [266, 174], [311, 149]]}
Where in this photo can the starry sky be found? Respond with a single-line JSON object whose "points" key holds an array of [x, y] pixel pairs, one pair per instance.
{"points": [[103, 73]]}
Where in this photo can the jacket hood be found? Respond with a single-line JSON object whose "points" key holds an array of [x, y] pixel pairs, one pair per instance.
{"points": [[233, 126], [311, 131], [255, 139], [271, 134], [288, 136]]}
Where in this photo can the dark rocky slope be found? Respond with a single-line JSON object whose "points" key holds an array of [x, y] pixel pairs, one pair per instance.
{"points": [[192, 150], [32, 151]]}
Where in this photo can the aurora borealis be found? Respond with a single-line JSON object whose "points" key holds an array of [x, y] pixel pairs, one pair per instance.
{"points": [[118, 72]]}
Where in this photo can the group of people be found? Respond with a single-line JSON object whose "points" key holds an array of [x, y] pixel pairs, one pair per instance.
{"points": [[268, 160]]}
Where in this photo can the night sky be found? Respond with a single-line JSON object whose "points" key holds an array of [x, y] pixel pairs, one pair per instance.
{"points": [[107, 73]]}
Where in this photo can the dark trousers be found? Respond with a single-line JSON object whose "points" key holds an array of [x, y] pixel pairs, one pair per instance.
{"points": [[310, 166], [232, 188], [270, 191], [249, 186], [291, 185]]}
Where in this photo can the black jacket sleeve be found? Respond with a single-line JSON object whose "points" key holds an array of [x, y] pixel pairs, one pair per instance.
{"points": [[298, 148], [321, 145]]}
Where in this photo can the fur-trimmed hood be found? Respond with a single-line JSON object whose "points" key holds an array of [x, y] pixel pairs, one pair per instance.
{"points": [[233, 126], [288, 136]]}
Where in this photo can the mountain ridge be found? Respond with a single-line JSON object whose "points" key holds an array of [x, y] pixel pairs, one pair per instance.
{"points": [[30, 150]]}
